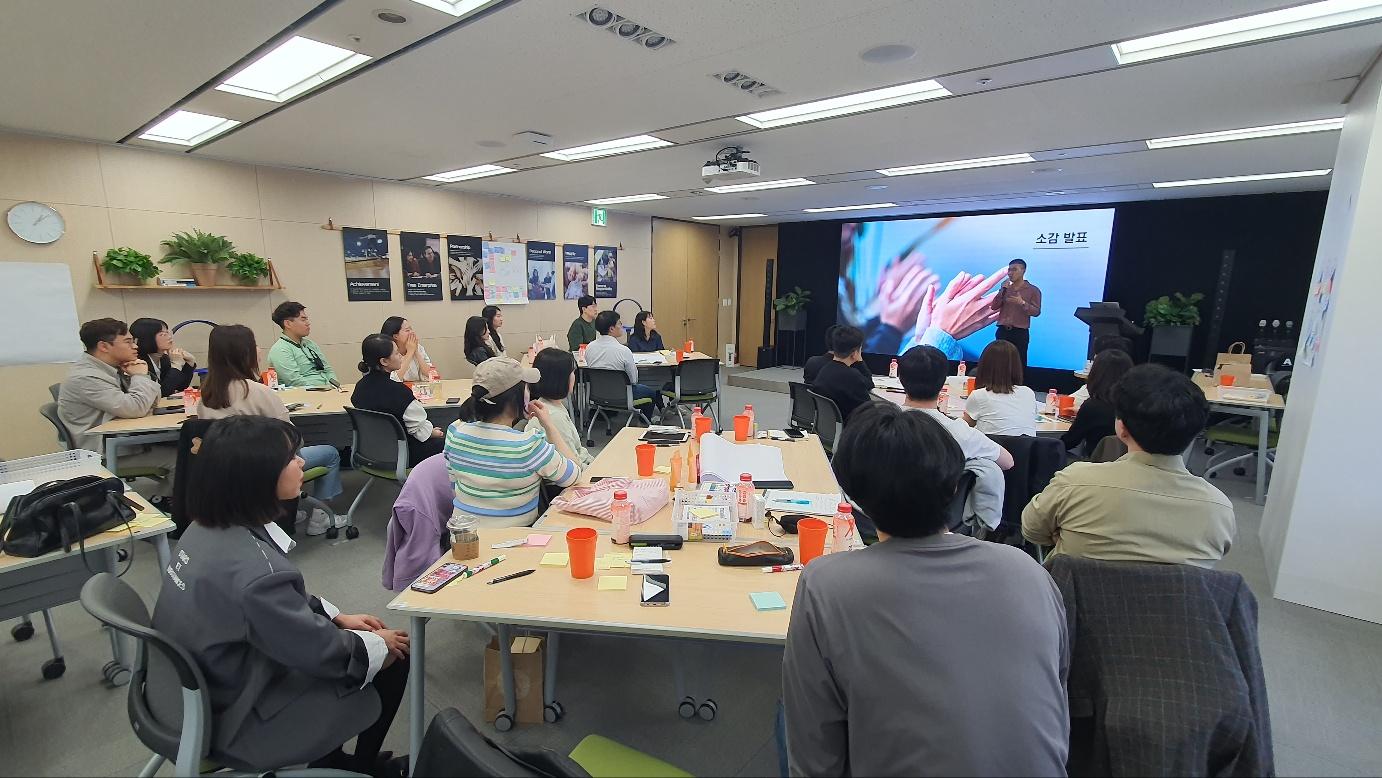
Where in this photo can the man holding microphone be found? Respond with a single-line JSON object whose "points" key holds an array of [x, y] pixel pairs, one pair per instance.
{"points": [[1017, 303]]}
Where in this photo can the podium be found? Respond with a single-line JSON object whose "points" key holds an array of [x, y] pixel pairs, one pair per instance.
{"points": [[1107, 319]]}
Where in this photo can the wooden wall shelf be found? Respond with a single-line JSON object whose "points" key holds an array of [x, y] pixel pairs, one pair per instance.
{"points": [[274, 283]]}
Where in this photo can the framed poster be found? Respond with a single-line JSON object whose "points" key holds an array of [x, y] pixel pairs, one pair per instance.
{"points": [[542, 270], [575, 270], [463, 255], [422, 272], [606, 271], [505, 268], [366, 264]]}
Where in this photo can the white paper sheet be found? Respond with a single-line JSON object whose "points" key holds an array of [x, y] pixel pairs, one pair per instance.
{"points": [[724, 461], [812, 503], [12, 490], [36, 300]]}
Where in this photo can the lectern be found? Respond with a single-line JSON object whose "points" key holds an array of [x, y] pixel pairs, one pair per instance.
{"points": [[1106, 319]]}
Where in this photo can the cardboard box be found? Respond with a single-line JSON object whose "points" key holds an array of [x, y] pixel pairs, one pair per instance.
{"points": [[529, 654]]}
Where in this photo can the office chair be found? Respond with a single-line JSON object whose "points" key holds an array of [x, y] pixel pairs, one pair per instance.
{"points": [[611, 391], [49, 411], [695, 382], [379, 449], [1238, 435], [829, 421], [803, 407]]}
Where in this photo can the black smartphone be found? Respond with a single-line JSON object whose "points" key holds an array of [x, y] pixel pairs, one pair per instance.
{"points": [[438, 578], [657, 590], [453, 400], [319, 388], [168, 411], [793, 432]]}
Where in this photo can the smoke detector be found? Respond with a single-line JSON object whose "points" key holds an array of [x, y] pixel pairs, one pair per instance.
{"points": [[533, 138]]}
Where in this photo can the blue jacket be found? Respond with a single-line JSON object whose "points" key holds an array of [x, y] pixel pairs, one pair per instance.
{"points": [[638, 343]]}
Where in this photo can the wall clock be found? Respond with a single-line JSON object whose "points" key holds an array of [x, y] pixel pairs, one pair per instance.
{"points": [[36, 222]]}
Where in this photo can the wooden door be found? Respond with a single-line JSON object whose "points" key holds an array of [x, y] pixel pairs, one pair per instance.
{"points": [[758, 247], [686, 283]]}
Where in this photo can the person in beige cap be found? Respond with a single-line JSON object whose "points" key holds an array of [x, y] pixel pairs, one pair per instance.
{"points": [[497, 471]]}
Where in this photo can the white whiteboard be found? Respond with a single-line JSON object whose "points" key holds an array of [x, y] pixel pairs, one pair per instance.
{"points": [[38, 314]]}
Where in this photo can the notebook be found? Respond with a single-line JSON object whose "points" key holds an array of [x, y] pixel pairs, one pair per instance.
{"points": [[724, 461]]}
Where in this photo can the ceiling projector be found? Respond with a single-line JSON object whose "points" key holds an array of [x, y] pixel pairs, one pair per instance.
{"points": [[729, 163]]}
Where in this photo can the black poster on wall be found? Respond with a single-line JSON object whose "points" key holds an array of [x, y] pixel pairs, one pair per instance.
{"points": [[606, 271], [422, 271], [542, 270], [366, 264], [463, 260], [575, 264]]}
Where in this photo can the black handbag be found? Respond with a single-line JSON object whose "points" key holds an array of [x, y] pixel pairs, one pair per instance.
{"points": [[60, 513]]}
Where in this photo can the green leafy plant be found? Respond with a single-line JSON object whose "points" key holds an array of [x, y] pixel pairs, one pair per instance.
{"points": [[129, 262], [198, 248], [1180, 311], [247, 267], [794, 301]]}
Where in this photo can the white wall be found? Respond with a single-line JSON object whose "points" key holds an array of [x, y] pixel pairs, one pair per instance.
{"points": [[1322, 527]]}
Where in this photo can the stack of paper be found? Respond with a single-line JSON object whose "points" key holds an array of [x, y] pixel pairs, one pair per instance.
{"points": [[652, 358], [724, 461], [810, 503]]}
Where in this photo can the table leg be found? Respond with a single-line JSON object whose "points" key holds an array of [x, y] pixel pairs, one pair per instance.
{"points": [[417, 649], [165, 555], [549, 671], [112, 462], [506, 671], [1264, 422]]}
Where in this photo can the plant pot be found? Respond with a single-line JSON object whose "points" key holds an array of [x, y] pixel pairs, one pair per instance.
{"points": [[255, 281], [123, 279], [1172, 340], [204, 273], [791, 322]]}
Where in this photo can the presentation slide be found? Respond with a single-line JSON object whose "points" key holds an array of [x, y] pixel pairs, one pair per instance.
{"points": [[886, 268]]}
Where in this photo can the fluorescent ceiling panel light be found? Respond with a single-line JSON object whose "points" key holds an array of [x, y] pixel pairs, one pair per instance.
{"points": [[781, 183], [292, 68], [1246, 29], [606, 148], [849, 208], [467, 173], [1239, 179], [729, 216], [186, 128], [858, 102], [626, 199], [454, 7], [959, 164], [1269, 131]]}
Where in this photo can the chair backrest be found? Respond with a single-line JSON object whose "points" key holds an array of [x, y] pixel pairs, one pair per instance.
{"points": [[1110, 448], [803, 407], [829, 421], [53, 390], [609, 387], [49, 411], [192, 431], [1281, 382], [452, 746], [168, 707], [1035, 462], [379, 441], [955, 512], [697, 377]]}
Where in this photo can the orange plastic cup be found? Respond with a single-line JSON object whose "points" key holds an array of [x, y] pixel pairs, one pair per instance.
{"points": [[812, 533], [741, 427], [645, 452], [687, 347], [1065, 402], [681, 355], [702, 426], [969, 385], [580, 544], [1227, 380]]}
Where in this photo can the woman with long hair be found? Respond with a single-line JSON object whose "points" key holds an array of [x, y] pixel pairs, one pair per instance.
{"points": [[1000, 404], [170, 367], [416, 364], [494, 320], [645, 336], [377, 391], [1094, 421], [476, 341], [558, 370]]}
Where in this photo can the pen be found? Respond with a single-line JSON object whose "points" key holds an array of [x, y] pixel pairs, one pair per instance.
{"points": [[794, 502], [481, 568], [783, 568], [510, 576], [648, 561]]}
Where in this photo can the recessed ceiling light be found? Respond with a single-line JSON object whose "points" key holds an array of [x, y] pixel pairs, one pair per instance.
{"points": [[959, 164], [1269, 131], [391, 17], [888, 53], [609, 147], [294, 67], [1239, 179], [858, 102], [1246, 29], [454, 7], [729, 216], [186, 128], [781, 183], [1052, 194], [626, 199], [849, 207], [467, 173]]}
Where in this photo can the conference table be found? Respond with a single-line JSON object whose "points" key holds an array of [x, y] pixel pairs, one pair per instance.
{"points": [[1047, 424], [1231, 400]]}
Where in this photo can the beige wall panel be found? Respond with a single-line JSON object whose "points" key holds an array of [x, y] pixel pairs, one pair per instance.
{"points": [[145, 230], [56, 172], [415, 209], [290, 195], [178, 183], [760, 245], [88, 230], [26, 390]]}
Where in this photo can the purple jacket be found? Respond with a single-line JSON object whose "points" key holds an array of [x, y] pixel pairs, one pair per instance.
{"points": [[418, 528]]}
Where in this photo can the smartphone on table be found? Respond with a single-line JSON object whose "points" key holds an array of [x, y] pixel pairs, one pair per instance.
{"points": [[435, 580], [657, 590]]}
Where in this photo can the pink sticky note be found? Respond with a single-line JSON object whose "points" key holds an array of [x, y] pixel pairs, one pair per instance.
{"points": [[538, 540]]}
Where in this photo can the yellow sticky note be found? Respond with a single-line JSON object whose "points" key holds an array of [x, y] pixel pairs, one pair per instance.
{"points": [[556, 559], [604, 563], [617, 562], [704, 513], [613, 583]]}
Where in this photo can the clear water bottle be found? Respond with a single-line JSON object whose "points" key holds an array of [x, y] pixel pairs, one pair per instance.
{"points": [[1052, 401], [842, 528], [892, 369], [943, 401], [433, 374], [744, 498], [621, 516], [753, 420], [962, 369]]}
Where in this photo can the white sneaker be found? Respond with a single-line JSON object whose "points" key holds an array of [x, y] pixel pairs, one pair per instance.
{"points": [[320, 522]]}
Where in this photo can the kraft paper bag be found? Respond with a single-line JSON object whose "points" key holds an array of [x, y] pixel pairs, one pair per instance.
{"points": [[528, 656], [1237, 354]]}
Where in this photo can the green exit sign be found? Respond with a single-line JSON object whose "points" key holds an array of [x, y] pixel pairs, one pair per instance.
{"points": [[598, 217]]}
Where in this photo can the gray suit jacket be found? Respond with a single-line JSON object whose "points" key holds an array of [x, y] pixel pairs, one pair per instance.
{"points": [[93, 393], [286, 684]]}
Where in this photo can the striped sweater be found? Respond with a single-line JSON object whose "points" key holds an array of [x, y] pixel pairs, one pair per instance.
{"points": [[497, 471]]}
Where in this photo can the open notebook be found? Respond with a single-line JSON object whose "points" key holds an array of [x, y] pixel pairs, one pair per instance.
{"points": [[724, 461]]}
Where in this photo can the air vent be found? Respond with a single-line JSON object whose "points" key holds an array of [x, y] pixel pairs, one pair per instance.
{"points": [[745, 83], [625, 28]]}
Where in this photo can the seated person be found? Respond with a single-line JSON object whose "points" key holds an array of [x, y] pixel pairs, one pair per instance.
{"points": [[838, 379], [494, 320], [923, 370], [944, 602], [1094, 421], [169, 365], [558, 370], [498, 470], [417, 366], [813, 366], [1000, 404], [289, 676], [1101, 344], [582, 331], [294, 356], [475, 341], [232, 388], [645, 336], [1145, 507], [606, 352], [377, 391], [417, 530]]}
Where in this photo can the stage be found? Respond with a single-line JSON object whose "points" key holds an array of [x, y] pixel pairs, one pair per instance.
{"points": [[769, 379]]}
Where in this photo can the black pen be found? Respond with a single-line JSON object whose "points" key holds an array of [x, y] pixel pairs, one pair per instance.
{"points": [[648, 561], [510, 576]]}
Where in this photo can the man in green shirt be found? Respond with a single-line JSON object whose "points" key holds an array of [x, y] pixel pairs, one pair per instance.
{"points": [[582, 330], [297, 360]]}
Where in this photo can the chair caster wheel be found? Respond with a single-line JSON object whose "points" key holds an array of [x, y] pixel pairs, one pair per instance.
{"points": [[1240, 471], [708, 710], [22, 631], [590, 441], [115, 673], [333, 533], [122, 554], [552, 713], [503, 722], [54, 668], [1209, 452], [687, 708], [352, 532]]}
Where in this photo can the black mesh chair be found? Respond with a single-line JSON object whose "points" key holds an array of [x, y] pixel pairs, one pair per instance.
{"points": [[829, 421], [611, 392], [379, 449], [49, 411], [169, 707], [696, 382], [803, 406]]}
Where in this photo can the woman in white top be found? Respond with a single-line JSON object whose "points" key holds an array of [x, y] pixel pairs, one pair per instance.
{"points": [[558, 369], [1000, 404], [416, 364], [377, 391]]}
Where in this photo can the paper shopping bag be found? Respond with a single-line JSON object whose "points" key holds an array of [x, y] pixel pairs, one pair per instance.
{"points": [[528, 655]]}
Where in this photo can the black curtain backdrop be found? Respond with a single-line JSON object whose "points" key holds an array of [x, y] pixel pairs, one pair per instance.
{"points": [[1159, 247]]}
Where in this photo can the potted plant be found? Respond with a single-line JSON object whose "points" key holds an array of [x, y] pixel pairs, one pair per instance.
{"points": [[247, 269], [202, 251], [791, 309], [128, 267], [1173, 321]]}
